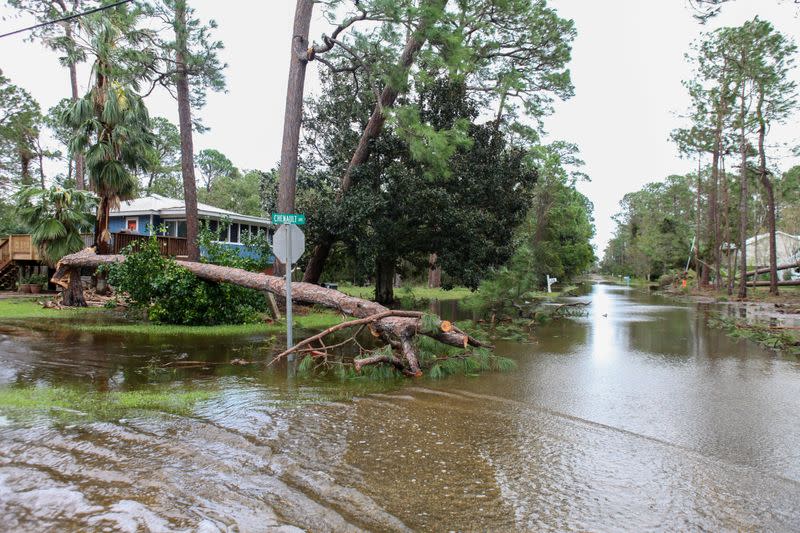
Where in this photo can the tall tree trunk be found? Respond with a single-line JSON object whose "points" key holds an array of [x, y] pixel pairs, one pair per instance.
{"points": [[40, 155], [698, 224], [102, 237], [73, 82], [293, 115], [25, 166], [767, 183], [384, 280], [726, 224], [185, 124], [80, 182], [713, 221], [374, 127], [743, 194], [434, 272]]}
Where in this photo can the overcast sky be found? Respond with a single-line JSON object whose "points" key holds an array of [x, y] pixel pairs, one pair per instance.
{"points": [[627, 67]]}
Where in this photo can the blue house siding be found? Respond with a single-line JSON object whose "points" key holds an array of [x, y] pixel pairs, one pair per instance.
{"points": [[117, 224]]}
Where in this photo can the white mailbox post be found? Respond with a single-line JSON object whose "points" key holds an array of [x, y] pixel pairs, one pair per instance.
{"points": [[550, 282]]}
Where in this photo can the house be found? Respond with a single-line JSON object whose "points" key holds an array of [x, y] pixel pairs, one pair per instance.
{"points": [[787, 249], [167, 216]]}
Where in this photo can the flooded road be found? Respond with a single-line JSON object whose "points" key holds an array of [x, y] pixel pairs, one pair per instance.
{"points": [[636, 417]]}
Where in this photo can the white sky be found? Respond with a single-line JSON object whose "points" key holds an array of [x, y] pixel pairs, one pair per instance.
{"points": [[628, 63]]}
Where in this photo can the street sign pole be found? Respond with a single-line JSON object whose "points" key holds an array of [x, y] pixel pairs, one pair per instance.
{"points": [[288, 243], [289, 341]]}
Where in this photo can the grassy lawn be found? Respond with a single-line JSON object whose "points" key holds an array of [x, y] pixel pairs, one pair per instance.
{"points": [[304, 319], [418, 292], [28, 308], [70, 403]]}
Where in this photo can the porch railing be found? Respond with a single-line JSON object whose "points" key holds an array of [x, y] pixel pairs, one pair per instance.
{"points": [[5, 252], [169, 246]]}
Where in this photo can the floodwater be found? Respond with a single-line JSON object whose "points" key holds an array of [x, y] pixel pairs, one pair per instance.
{"points": [[635, 418]]}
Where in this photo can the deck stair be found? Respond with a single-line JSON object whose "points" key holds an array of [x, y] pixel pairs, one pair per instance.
{"points": [[8, 270]]}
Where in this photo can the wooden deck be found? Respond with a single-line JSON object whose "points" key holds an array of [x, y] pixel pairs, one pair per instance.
{"points": [[18, 253], [18, 248], [21, 247]]}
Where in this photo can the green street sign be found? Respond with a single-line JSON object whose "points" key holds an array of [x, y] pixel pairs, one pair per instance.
{"points": [[288, 218]]}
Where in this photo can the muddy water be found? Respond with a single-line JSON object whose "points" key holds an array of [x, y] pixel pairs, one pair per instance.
{"points": [[636, 417]]}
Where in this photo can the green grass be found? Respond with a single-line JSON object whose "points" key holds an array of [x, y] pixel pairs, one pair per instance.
{"points": [[419, 292], [71, 403], [316, 319], [26, 308]]}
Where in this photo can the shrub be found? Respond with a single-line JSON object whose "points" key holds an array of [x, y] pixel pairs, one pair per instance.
{"points": [[173, 295]]}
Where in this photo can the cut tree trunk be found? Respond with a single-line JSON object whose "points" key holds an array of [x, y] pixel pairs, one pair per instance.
{"points": [[415, 41], [69, 279], [395, 330], [185, 125]]}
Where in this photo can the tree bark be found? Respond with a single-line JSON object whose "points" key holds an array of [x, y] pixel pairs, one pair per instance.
{"points": [[697, 265], [102, 237], [767, 183], [69, 279], [743, 194], [397, 330], [434, 272], [73, 79], [384, 280], [373, 129], [185, 125], [293, 115], [726, 226]]}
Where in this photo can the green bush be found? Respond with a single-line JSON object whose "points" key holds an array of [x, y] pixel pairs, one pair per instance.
{"points": [[173, 295]]}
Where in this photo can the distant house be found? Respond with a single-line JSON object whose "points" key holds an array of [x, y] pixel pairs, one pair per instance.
{"points": [[167, 216], [787, 249]]}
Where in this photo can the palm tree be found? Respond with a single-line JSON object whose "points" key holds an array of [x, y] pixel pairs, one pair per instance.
{"points": [[112, 129], [56, 218]]}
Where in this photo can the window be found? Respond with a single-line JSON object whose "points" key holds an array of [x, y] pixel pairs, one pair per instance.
{"points": [[234, 232], [172, 227], [181, 228], [132, 224]]}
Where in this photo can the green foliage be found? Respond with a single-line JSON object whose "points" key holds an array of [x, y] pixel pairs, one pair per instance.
{"points": [[162, 174], [20, 124], [430, 323], [236, 192], [762, 334], [56, 218], [173, 295], [654, 229], [191, 38], [554, 240], [214, 165], [403, 203]]}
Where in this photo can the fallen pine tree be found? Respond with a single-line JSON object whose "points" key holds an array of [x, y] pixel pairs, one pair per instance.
{"points": [[395, 328]]}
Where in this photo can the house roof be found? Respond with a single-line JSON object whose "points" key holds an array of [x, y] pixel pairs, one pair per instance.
{"points": [[164, 207]]}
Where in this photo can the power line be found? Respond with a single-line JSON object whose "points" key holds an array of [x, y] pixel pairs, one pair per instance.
{"points": [[70, 17]]}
